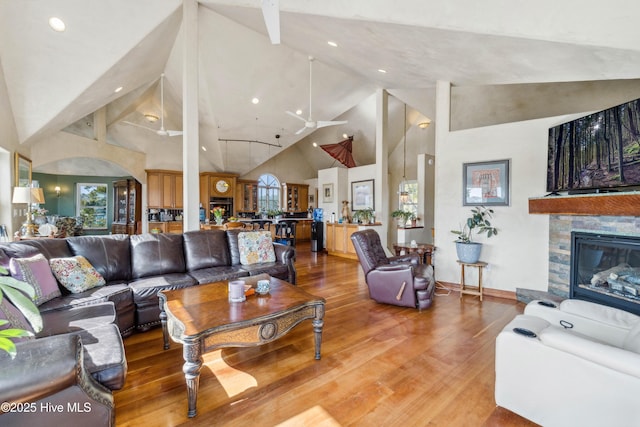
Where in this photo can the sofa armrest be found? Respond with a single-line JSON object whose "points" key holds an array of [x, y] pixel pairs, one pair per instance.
{"points": [[412, 258], [284, 253], [45, 366]]}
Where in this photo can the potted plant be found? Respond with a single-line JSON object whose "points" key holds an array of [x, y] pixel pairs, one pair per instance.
{"points": [[467, 250], [414, 220], [13, 289], [364, 216], [402, 217]]}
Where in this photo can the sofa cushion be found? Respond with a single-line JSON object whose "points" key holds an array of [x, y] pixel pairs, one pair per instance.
{"points": [[35, 271], [274, 269], [109, 255], [217, 274], [119, 294], [50, 248], [156, 254], [255, 247], [76, 273], [205, 249]]}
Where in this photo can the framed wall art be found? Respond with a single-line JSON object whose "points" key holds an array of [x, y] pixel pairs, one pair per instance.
{"points": [[485, 183], [327, 193], [22, 169], [362, 195]]}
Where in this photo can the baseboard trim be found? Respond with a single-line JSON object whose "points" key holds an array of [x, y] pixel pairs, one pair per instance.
{"points": [[498, 293]]}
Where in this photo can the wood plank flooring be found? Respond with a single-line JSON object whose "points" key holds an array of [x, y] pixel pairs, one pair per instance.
{"points": [[381, 365]]}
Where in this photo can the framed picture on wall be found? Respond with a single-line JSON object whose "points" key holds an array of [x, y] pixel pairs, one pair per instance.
{"points": [[92, 205], [22, 169], [362, 195], [327, 193], [485, 183]]}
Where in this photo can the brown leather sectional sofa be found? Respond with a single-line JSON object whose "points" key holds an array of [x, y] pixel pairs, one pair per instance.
{"points": [[135, 268]]}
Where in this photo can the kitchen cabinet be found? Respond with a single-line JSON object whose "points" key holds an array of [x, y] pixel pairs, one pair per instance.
{"points": [[338, 238], [247, 196], [165, 227], [127, 210], [295, 197], [303, 230], [218, 189], [164, 189]]}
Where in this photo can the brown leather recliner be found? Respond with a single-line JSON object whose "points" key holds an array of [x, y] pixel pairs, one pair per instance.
{"points": [[398, 280]]}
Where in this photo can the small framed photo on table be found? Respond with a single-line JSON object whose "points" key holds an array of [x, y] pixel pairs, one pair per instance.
{"points": [[485, 183]]}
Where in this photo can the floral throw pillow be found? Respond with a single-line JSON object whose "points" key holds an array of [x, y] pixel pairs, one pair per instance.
{"points": [[35, 271], [76, 273], [255, 247]]}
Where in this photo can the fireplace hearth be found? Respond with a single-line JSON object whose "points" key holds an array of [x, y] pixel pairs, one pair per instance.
{"points": [[605, 268]]}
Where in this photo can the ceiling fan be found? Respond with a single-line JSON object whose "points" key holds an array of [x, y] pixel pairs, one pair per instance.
{"points": [[162, 131], [310, 123], [271, 14]]}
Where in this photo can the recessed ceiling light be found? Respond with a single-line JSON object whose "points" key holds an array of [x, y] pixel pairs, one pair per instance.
{"points": [[151, 118], [380, 70], [118, 89], [345, 136], [315, 144], [299, 112], [333, 44], [204, 148], [57, 24], [255, 100]]}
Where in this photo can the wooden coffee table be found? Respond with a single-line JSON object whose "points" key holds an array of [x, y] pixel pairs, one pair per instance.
{"points": [[202, 319]]}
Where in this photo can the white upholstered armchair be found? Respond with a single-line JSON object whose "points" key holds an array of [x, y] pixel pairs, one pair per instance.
{"points": [[570, 364]]}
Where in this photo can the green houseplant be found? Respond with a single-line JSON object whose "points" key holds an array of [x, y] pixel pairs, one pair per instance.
{"points": [[364, 216], [467, 250], [15, 291], [401, 216]]}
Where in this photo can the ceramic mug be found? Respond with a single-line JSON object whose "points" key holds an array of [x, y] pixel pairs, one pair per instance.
{"points": [[236, 291], [263, 287]]}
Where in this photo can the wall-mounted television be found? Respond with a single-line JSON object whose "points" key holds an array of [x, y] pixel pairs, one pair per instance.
{"points": [[598, 152]]}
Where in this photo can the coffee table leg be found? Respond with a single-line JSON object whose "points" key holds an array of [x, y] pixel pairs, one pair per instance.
{"points": [[163, 321], [191, 368], [318, 323]]}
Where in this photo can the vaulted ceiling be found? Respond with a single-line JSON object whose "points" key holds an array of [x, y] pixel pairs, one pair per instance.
{"points": [[56, 81]]}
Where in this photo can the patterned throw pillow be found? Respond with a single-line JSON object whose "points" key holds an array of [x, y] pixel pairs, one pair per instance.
{"points": [[35, 271], [256, 247], [76, 273]]}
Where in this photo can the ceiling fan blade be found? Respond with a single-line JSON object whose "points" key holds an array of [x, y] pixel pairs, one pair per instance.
{"points": [[140, 126], [174, 132], [295, 115], [271, 14], [301, 130], [321, 124]]}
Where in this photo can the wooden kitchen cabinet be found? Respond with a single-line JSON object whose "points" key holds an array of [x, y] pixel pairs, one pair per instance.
{"points": [[247, 196], [295, 197], [127, 209], [164, 189]]}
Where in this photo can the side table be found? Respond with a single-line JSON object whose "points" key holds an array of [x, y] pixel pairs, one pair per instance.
{"points": [[475, 290]]}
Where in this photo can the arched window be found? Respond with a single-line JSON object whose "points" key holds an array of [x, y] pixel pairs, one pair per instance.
{"points": [[268, 193]]}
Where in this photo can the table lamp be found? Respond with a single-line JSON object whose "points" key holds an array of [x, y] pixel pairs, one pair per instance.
{"points": [[28, 195]]}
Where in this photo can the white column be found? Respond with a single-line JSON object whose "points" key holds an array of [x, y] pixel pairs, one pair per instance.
{"points": [[190, 114], [381, 189]]}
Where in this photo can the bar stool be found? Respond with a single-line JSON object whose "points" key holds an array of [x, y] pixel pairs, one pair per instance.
{"points": [[286, 232]]}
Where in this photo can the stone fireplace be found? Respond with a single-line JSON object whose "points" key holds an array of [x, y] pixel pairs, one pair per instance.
{"points": [[605, 268], [560, 228]]}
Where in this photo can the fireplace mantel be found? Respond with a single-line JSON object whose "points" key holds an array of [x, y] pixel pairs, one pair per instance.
{"points": [[615, 204]]}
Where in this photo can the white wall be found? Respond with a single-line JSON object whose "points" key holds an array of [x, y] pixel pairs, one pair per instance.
{"points": [[518, 255]]}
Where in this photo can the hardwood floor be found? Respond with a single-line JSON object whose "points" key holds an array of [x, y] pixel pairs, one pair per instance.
{"points": [[381, 365]]}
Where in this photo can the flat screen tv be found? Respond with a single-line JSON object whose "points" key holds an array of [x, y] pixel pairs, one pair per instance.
{"points": [[598, 152]]}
